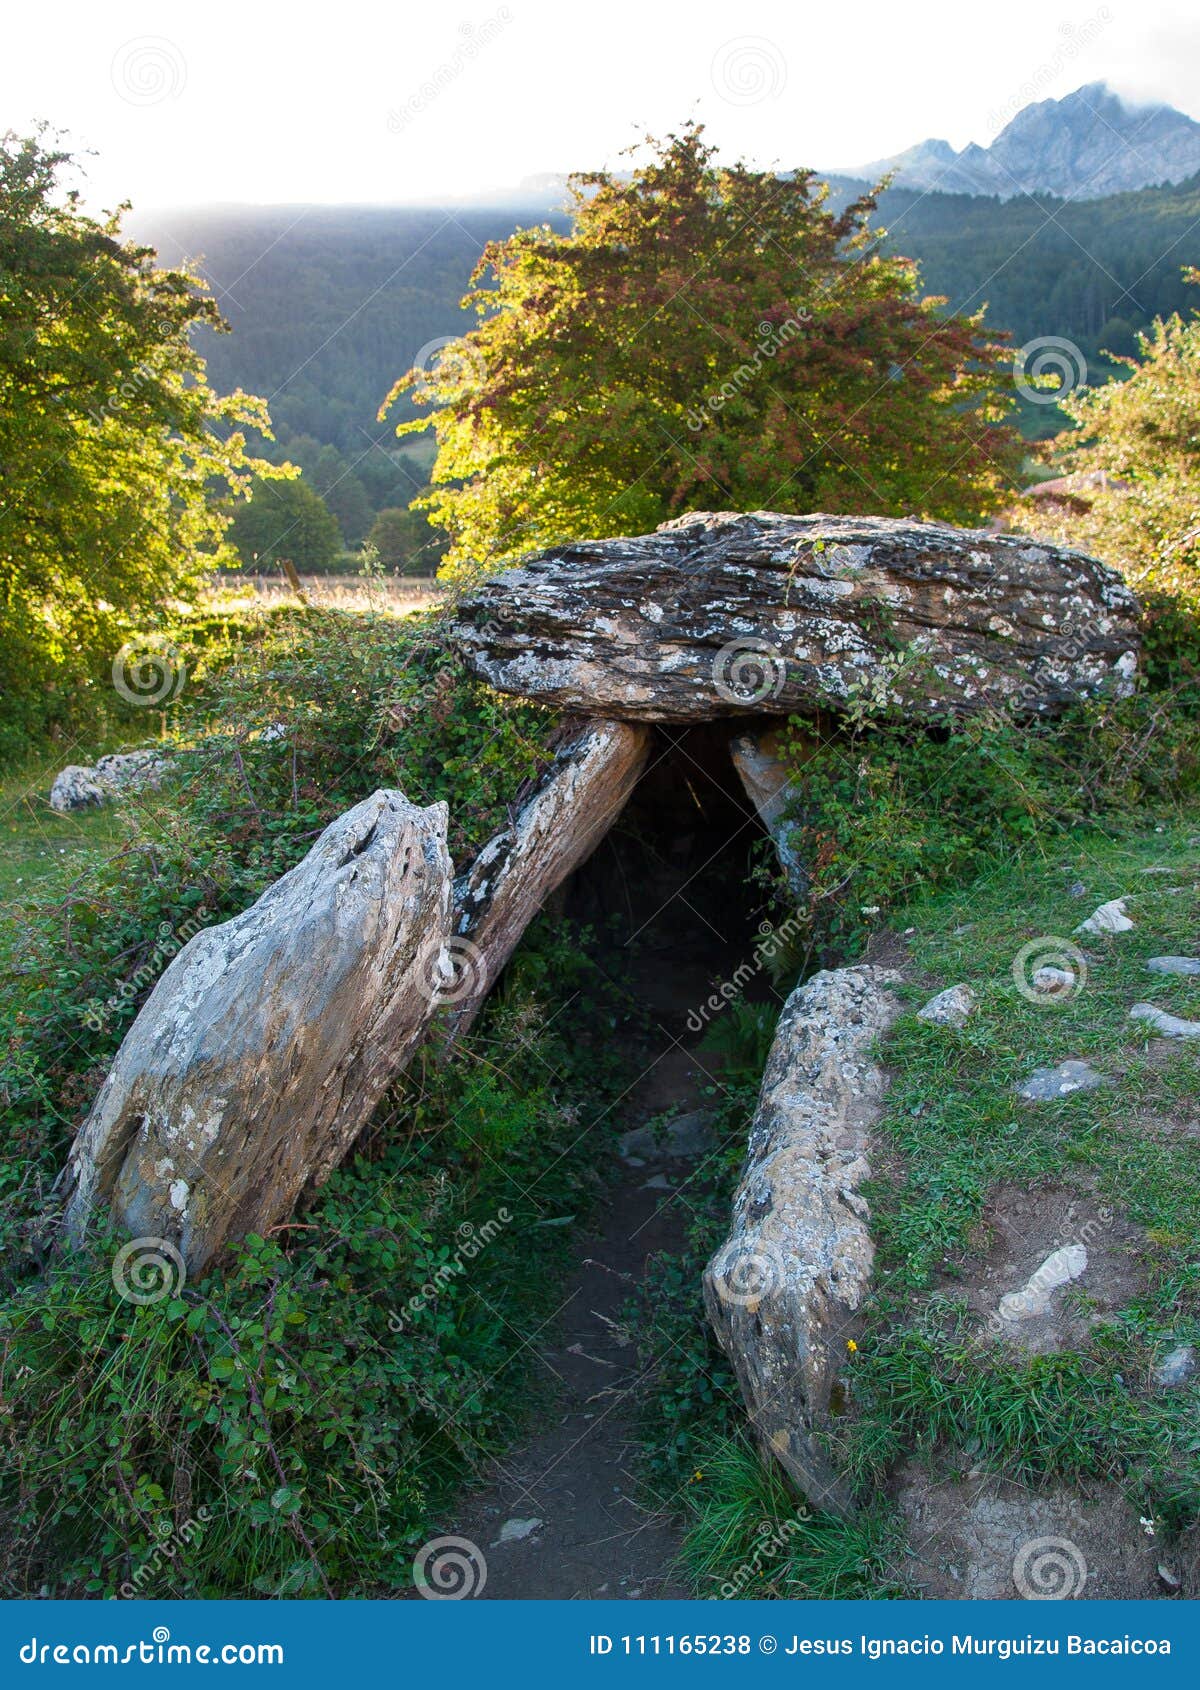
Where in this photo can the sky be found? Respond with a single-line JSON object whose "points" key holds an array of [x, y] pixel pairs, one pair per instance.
{"points": [[395, 103]]}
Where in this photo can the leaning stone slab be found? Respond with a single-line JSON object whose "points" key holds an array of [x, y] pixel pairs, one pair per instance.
{"points": [[556, 830], [765, 614], [782, 1288], [269, 1040], [769, 786]]}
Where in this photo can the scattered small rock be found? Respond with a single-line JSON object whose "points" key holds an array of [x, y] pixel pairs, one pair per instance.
{"points": [[1058, 1269], [1107, 918], [81, 787], [1166, 1026], [1045, 1084], [1169, 1576], [1049, 981], [76, 788], [1174, 965], [686, 1136], [949, 1008], [1077, 889], [1177, 1367], [660, 1182], [514, 1531]]}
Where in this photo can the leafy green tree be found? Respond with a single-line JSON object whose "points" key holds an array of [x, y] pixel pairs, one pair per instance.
{"points": [[406, 542], [285, 519], [111, 440], [1143, 433], [705, 337]]}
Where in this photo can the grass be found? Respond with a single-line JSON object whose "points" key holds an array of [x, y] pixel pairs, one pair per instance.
{"points": [[925, 1378], [38, 843]]}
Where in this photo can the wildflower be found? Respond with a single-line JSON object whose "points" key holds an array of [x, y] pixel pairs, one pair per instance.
{"points": [[852, 1346]]}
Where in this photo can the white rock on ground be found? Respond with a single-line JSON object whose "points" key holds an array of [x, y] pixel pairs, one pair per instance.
{"points": [[1174, 965], [1045, 1084], [80, 786], [1166, 1026], [950, 1008], [1177, 1367], [76, 788], [1107, 918], [265, 1046], [797, 1262], [1058, 1269]]}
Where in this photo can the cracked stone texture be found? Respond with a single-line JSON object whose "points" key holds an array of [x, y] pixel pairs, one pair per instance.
{"points": [[765, 614], [797, 1262], [268, 1041]]}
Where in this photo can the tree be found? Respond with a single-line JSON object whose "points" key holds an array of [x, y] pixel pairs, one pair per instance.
{"points": [[406, 542], [705, 337], [111, 440], [343, 492], [1143, 433], [285, 519]]}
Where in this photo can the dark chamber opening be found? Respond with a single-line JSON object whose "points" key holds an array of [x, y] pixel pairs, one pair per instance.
{"points": [[672, 885]]}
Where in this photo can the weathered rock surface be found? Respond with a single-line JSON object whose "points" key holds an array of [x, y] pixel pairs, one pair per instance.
{"points": [[1186, 965], [782, 1289], [1107, 918], [726, 615], [1166, 1026], [270, 1038], [1059, 1268], [556, 830], [1045, 1085], [81, 786], [950, 1008], [769, 787]]}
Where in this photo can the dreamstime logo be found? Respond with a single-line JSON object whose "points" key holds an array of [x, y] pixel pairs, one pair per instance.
{"points": [[472, 1240], [770, 944], [748, 70], [743, 1277], [473, 40], [772, 338], [1075, 39], [170, 1539], [448, 362], [148, 671], [148, 70], [747, 671], [1049, 970], [772, 1539], [148, 1269], [453, 970], [171, 941], [1046, 358], [450, 1569], [1049, 1569]]}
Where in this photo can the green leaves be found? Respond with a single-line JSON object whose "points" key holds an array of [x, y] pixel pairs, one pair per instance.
{"points": [[704, 338]]}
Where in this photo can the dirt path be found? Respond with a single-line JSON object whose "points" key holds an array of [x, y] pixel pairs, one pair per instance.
{"points": [[596, 1538], [687, 919]]}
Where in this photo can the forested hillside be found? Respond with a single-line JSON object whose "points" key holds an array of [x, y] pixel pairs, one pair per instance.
{"points": [[329, 305]]}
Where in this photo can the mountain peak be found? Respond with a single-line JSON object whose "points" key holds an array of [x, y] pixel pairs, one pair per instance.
{"points": [[1088, 143]]}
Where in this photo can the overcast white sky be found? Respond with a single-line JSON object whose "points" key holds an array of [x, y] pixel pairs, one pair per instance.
{"points": [[393, 102]]}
